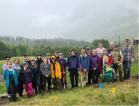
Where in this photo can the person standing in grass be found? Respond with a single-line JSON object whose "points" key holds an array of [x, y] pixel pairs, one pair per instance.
{"points": [[88, 53], [73, 65], [27, 76], [84, 63], [46, 74], [110, 50], [117, 62], [128, 54], [56, 73], [38, 62], [36, 77], [100, 65], [94, 62], [63, 64], [11, 80], [100, 52], [17, 68]]}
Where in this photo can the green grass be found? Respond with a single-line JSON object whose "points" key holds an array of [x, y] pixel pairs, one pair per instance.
{"points": [[2, 87], [134, 68], [1, 63], [125, 94]]}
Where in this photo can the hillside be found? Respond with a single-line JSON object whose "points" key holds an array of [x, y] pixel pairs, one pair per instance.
{"points": [[56, 42]]}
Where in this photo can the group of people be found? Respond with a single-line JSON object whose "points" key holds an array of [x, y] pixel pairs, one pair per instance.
{"points": [[50, 71]]}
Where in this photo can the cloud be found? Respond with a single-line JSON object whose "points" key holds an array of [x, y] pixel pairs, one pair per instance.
{"points": [[74, 19]]}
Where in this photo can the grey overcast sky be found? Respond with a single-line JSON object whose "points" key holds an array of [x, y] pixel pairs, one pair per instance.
{"points": [[74, 19]]}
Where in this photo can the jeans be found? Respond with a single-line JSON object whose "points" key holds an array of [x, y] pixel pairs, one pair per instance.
{"points": [[127, 69]]}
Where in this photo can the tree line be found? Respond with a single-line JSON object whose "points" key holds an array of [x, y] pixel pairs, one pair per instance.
{"points": [[19, 46]]}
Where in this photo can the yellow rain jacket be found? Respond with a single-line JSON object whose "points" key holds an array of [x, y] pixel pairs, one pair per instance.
{"points": [[56, 70]]}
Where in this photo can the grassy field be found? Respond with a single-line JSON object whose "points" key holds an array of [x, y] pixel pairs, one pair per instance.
{"points": [[125, 93]]}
